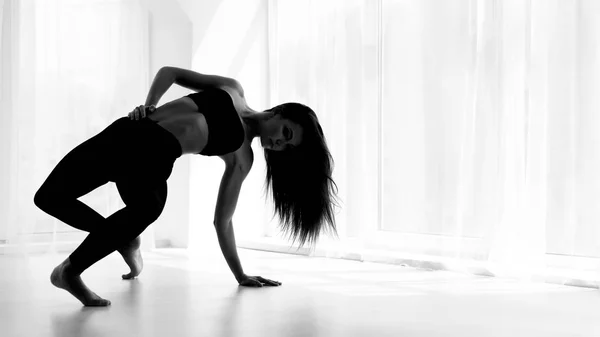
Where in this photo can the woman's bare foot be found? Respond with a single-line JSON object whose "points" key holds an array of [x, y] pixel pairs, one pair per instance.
{"points": [[133, 257], [61, 277]]}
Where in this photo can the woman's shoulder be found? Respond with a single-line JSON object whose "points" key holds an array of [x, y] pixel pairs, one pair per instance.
{"points": [[239, 101], [233, 89]]}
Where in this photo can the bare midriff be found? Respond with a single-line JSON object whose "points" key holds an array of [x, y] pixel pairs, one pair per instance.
{"points": [[181, 118]]}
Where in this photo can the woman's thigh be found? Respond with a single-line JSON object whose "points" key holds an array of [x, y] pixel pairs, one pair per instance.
{"points": [[123, 152], [81, 170]]}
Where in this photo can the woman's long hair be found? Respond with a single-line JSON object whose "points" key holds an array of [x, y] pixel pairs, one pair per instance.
{"points": [[300, 179]]}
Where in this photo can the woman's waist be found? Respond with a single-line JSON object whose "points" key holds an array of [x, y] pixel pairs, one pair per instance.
{"points": [[191, 132], [183, 106]]}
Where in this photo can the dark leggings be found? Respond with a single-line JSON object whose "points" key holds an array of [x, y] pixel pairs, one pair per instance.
{"points": [[138, 156]]}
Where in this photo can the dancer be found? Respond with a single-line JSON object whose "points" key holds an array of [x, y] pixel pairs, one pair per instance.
{"points": [[137, 152]]}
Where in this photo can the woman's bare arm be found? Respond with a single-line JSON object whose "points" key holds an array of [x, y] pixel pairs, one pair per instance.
{"points": [[237, 166], [196, 81], [229, 191], [186, 78]]}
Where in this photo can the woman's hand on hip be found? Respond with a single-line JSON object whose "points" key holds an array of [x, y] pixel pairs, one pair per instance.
{"points": [[257, 281], [141, 112]]}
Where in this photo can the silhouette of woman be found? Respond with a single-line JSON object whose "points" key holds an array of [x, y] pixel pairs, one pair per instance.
{"points": [[137, 153]]}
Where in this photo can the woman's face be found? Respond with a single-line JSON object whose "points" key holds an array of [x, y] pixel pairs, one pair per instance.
{"points": [[281, 134]]}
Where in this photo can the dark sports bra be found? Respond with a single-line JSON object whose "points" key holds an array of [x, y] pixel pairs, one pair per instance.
{"points": [[225, 130]]}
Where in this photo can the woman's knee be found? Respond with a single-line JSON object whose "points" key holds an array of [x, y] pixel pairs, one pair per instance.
{"points": [[48, 196], [43, 199]]}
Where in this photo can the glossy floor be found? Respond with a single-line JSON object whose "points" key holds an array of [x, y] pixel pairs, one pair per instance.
{"points": [[180, 294]]}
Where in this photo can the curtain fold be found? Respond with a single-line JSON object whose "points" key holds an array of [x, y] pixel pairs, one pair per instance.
{"points": [[4, 122]]}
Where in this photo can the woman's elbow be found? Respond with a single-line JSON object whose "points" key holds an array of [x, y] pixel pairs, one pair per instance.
{"points": [[167, 71], [222, 225]]}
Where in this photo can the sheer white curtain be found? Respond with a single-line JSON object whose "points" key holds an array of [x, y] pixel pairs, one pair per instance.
{"points": [[466, 130], [69, 68]]}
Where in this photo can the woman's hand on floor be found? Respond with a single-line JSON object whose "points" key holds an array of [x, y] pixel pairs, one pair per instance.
{"points": [[257, 281], [141, 112]]}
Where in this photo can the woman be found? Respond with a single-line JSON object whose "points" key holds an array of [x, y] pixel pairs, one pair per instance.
{"points": [[137, 153]]}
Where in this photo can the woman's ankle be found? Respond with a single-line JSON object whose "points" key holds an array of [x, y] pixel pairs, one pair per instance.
{"points": [[68, 267]]}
